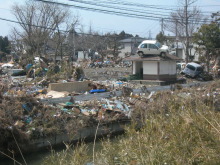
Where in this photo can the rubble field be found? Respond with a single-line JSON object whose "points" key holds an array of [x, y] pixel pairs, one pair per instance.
{"points": [[25, 118]]}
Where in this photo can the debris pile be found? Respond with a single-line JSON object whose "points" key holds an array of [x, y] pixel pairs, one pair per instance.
{"points": [[25, 118]]}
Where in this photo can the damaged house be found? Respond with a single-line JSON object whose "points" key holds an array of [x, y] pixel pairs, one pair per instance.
{"points": [[155, 67]]}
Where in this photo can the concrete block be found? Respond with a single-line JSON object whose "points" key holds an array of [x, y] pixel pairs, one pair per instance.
{"points": [[77, 86]]}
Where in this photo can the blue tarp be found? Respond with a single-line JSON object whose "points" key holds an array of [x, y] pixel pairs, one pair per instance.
{"points": [[97, 90]]}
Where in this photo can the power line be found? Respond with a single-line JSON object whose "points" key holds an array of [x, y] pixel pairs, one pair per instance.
{"points": [[136, 5], [113, 30], [133, 4], [129, 9], [149, 7], [44, 27], [115, 12], [104, 11], [113, 7], [13, 21], [122, 4], [8, 20]]}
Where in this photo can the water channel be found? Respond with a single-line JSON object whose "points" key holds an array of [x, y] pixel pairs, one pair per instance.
{"points": [[39, 157]]}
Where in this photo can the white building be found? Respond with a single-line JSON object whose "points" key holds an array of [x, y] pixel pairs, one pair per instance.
{"points": [[154, 67]]}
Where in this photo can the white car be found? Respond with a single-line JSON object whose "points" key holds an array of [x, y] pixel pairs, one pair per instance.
{"points": [[192, 70], [152, 47]]}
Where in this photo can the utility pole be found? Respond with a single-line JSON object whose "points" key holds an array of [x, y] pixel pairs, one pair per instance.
{"points": [[177, 39], [60, 43], [162, 26], [187, 32], [72, 43], [149, 37]]}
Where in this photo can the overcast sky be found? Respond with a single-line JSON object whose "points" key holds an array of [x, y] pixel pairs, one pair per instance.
{"points": [[113, 23]]}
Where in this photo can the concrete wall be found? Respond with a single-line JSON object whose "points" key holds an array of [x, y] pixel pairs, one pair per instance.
{"points": [[164, 67], [150, 67], [81, 134], [160, 77], [77, 86], [167, 67]]}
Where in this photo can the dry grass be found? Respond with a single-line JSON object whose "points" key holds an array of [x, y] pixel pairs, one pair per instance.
{"points": [[69, 156]]}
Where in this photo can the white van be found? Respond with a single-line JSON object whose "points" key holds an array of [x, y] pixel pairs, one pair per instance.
{"points": [[152, 47], [192, 70]]}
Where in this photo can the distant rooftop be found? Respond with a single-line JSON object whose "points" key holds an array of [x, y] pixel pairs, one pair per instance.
{"points": [[133, 39]]}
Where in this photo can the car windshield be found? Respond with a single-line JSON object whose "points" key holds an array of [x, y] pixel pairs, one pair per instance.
{"points": [[191, 67], [158, 44]]}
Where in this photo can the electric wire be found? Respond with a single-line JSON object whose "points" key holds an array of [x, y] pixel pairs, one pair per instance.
{"points": [[137, 5], [118, 12], [54, 29], [154, 18], [126, 9], [118, 8]]}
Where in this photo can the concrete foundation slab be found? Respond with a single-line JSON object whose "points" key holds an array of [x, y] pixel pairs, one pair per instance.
{"points": [[77, 86]]}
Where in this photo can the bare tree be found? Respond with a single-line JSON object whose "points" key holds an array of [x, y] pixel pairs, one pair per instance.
{"points": [[184, 22], [113, 44], [99, 45], [38, 22]]}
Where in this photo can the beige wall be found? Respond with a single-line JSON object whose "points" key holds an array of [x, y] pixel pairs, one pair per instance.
{"points": [[78, 86], [167, 67], [150, 67]]}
